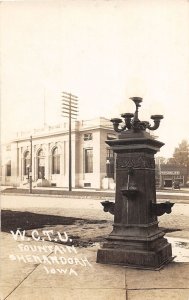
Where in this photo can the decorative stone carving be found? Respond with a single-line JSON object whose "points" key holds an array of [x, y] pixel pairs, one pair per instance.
{"points": [[139, 161], [44, 147]]}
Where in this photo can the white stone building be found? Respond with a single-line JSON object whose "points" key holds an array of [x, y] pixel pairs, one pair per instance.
{"points": [[50, 155]]}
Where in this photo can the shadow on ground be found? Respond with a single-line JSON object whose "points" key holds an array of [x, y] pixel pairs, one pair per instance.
{"points": [[12, 220]]}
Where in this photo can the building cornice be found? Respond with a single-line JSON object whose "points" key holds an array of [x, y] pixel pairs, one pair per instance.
{"points": [[63, 132]]}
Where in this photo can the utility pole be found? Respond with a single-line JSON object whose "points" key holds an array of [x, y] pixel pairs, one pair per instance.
{"points": [[70, 110], [30, 169]]}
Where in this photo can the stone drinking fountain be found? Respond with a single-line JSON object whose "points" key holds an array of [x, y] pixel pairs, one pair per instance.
{"points": [[136, 239]]}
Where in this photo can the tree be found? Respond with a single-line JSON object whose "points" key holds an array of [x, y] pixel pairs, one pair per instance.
{"points": [[181, 154]]}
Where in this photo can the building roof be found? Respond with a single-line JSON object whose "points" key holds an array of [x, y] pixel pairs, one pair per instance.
{"points": [[63, 128]]}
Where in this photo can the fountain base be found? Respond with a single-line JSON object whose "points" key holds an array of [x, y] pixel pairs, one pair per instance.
{"points": [[146, 254]]}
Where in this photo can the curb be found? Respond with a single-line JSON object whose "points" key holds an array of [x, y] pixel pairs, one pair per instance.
{"points": [[181, 199]]}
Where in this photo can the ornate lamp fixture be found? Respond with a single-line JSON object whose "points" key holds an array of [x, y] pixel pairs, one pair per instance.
{"points": [[132, 121]]}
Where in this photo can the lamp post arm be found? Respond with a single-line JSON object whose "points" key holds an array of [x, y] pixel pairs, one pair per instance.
{"points": [[156, 119], [116, 122], [127, 117]]}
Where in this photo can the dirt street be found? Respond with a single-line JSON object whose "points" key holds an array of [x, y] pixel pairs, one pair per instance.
{"points": [[83, 220]]}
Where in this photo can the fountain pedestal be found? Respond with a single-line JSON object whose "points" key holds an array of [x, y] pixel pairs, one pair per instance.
{"points": [[136, 239]]}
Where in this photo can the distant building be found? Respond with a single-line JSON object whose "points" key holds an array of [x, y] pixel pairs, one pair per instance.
{"points": [[167, 174], [92, 160]]}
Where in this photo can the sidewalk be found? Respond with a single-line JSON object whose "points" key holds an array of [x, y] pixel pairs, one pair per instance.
{"points": [[176, 195], [84, 279]]}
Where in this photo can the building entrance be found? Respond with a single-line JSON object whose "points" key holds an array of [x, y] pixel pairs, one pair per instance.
{"points": [[41, 172], [41, 165], [168, 183]]}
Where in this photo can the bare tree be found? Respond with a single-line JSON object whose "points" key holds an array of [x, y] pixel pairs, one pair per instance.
{"points": [[181, 154]]}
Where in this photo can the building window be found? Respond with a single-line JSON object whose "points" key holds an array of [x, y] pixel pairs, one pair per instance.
{"points": [[88, 160], [110, 163], [8, 168], [55, 161], [109, 153], [41, 164], [26, 162], [88, 136], [8, 148]]}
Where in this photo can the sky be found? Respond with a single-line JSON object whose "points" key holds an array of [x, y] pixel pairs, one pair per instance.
{"points": [[102, 51]]}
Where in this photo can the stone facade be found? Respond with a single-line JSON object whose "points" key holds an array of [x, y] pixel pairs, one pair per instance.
{"points": [[88, 138]]}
